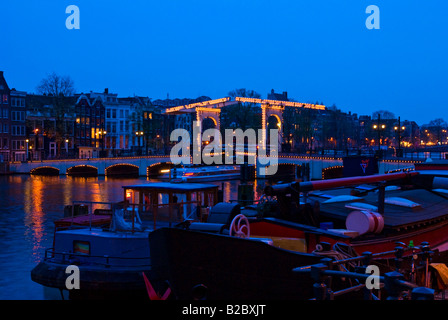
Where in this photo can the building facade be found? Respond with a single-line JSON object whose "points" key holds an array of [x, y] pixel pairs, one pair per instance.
{"points": [[50, 124], [19, 147], [125, 129], [90, 126], [5, 120]]}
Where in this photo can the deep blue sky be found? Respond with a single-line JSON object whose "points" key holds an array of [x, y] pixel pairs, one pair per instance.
{"points": [[316, 50]]}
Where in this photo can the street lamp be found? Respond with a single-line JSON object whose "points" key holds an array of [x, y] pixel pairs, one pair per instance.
{"points": [[36, 142], [27, 142], [399, 130], [66, 146], [102, 134], [139, 134], [379, 127]]}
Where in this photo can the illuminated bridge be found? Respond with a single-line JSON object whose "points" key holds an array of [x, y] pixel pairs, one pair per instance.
{"points": [[151, 165]]}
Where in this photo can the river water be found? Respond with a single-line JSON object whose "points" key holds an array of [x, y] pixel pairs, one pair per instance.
{"points": [[28, 207]]}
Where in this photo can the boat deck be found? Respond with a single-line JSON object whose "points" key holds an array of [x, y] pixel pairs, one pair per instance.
{"points": [[432, 206]]}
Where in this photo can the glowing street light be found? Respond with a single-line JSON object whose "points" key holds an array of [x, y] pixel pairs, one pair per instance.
{"points": [[27, 142], [379, 127], [399, 130], [139, 134]]}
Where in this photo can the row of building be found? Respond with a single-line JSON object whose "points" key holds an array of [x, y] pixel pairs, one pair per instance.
{"points": [[90, 125], [85, 125]]}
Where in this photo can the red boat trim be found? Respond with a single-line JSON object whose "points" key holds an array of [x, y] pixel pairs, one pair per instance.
{"points": [[337, 183], [344, 182]]}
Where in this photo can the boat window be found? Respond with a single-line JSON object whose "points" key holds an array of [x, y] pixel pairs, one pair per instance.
{"points": [[135, 196], [81, 247], [146, 198], [194, 196], [342, 198], [163, 198], [402, 202], [179, 197], [210, 199]]}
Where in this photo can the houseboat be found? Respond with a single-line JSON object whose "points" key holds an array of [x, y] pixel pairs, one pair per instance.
{"points": [[298, 224], [108, 242]]}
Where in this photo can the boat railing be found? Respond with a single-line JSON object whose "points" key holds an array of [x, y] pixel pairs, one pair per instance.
{"points": [[394, 282], [131, 216], [92, 260], [245, 202], [85, 213]]}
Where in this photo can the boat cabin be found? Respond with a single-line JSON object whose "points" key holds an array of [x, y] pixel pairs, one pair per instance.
{"points": [[167, 201]]}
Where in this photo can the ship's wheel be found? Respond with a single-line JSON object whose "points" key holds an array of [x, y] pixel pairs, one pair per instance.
{"points": [[240, 227]]}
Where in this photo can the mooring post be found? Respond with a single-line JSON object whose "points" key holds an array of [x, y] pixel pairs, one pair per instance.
{"points": [[391, 284], [367, 258], [422, 293], [426, 257], [319, 287], [398, 257]]}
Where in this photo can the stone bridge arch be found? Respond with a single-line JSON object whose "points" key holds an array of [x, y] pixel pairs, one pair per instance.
{"points": [[268, 111], [154, 170], [45, 171], [214, 114], [82, 170], [122, 169]]}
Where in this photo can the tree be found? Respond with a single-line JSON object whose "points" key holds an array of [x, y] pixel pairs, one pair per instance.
{"points": [[435, 131], [55, 85], [384, 115], [241, 115], [60, 88], [439, 122], [304, 119], [243, 92]]}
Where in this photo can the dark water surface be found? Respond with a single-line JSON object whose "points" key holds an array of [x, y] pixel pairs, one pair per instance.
{"points": [[28, 207]]}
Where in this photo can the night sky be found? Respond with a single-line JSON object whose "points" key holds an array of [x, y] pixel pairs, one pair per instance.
{"points": [[316, 50]]}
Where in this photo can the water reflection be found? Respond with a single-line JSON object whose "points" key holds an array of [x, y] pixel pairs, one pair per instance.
{"points": [[34, 213], [30, 205]]}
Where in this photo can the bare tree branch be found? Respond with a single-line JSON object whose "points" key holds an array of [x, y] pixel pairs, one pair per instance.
{"points": [[56, 85]]}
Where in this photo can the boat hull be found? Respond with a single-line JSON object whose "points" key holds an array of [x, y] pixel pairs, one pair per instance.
{"points": [[228, 267], [110, 263], [436, 235], [95, 283]]}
